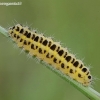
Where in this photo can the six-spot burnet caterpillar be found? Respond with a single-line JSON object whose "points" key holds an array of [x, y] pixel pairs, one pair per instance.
{"points": [[51, 52]]}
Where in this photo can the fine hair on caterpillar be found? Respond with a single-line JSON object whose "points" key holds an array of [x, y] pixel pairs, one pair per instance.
{"points": [[51, 52]]}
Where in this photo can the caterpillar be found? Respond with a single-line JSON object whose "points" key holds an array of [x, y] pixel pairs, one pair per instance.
{"points": [[51, 52]]}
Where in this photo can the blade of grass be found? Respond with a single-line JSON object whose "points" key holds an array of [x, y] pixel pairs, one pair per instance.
{"points": [[87, 91], [3, 31]]}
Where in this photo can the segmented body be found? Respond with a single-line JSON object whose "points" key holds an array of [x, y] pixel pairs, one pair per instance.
{"points": [[50, 52]]}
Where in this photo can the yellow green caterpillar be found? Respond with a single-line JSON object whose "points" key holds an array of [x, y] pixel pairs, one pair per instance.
{"points": [[50, 52]]}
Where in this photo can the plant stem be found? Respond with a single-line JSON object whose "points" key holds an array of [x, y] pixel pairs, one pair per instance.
{"points": [[3, 31], [87, 91]]}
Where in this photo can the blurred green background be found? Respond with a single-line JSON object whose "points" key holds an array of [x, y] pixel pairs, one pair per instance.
{"points": [[76, 23]]}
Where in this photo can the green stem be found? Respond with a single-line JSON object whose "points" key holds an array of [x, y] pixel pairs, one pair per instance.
{"points": [[3, 31], [87, 91]]}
